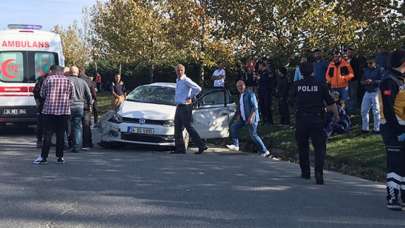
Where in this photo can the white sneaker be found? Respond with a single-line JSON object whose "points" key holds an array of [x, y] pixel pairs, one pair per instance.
{"points": [[39, 161], [265, 154], [272, 157], [233, 147]]}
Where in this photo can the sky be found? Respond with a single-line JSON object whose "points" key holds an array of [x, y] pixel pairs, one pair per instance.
{"points": [[42, 12]]}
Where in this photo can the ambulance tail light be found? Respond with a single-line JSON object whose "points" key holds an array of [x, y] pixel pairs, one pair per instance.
{"points": [[16, 89]]}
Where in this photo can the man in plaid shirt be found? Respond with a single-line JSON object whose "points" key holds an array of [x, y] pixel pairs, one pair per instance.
{"points": [[57, 92]]}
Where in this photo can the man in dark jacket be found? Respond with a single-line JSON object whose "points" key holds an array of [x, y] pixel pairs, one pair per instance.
{"points": [[282, 94], [311, 97], [266, 88], [392, 94], [87, 137], [81, 97], [40, 104]]}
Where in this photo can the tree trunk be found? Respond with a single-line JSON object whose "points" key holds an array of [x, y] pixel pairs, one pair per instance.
{"points": [[202, 74], [151, 73]]}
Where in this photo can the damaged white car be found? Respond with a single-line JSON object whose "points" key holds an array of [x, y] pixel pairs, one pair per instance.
{"points": [[147, 117]]}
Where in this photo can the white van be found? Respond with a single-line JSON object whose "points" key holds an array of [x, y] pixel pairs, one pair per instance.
{"points": [[26, 53]]}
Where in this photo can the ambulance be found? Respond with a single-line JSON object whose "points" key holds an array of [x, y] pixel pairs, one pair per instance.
{"points": [[26, 53]]}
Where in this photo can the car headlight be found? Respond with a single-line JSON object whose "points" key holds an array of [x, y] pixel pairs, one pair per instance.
{"points": [[116, 118], [168, 123]]}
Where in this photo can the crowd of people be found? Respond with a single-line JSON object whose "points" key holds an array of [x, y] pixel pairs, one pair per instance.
{"points": [[352, 79], [66, 99], [325, 95]]}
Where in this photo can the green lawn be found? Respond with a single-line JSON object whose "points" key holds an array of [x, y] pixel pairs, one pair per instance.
{"points": [[354, 153], [104, 101]]}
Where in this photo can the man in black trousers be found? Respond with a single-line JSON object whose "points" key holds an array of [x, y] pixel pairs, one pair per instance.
{"points": [[310, 98], [186, 90]]}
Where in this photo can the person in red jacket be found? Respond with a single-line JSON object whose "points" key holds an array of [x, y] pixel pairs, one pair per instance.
{"points": [[338, 75]]}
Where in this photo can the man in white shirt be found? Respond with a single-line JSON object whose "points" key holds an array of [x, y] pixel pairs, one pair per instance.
{"points": [[247, 115], [219, 76]]}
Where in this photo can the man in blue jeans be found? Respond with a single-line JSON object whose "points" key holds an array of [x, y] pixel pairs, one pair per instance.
{"points": [[247, 114], [81, 96]]}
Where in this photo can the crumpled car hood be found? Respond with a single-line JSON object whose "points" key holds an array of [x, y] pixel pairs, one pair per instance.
{"points": [[138, 110]]}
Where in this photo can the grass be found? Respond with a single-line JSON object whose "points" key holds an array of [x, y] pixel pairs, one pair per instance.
{"points": [[353, 153], [104, 99]]}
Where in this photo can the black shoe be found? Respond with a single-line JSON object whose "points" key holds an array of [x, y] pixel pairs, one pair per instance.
{"points": [[177, 152], [60, 161], [201, 150], [319, 178], [365, 132], [376, 132]]}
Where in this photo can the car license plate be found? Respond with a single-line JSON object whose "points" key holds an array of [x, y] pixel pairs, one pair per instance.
{"points": [[140, 130], [14, 111]]}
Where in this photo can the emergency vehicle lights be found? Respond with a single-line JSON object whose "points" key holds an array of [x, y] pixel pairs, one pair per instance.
{"points": [[24, 26]]}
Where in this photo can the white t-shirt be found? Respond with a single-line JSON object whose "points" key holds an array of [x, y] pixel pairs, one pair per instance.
{"points": [[220, 82], [242, 107]]}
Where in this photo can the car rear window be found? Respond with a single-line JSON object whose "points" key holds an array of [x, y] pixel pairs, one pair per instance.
{"points": [[12, 66], [43, 60]]}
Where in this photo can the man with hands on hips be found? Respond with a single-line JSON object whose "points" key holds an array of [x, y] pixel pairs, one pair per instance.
{"points": [[186, 89]]}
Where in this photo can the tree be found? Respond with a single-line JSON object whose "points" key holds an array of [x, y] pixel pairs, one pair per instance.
{"points": [[192, 30], [133, 32], [74, 47], [284, 27]]}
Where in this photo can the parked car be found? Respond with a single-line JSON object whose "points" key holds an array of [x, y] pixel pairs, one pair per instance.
{"points": [[147, 117]]}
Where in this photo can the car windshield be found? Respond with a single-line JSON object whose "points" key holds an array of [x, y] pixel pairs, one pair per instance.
{"points": [[153, 94]]}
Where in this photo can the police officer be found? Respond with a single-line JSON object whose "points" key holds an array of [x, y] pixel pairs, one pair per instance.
{"points": [[392, 94], [311, 96]]}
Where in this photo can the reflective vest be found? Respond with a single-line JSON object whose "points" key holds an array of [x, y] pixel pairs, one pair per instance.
{"points": [[338, 76], [399, 101]]}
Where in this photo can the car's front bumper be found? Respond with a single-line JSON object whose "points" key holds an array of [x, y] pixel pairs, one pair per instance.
{"points": [[114, 132]]}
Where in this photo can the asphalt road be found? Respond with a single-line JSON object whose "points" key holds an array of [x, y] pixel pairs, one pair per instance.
{"points": [[130, 188]]}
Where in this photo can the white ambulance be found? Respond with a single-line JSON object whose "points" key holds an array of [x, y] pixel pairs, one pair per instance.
{"points": [[26, 53]]}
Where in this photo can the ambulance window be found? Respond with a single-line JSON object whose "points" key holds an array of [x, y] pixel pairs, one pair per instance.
{"points": [[43, 60], [11, 67]]}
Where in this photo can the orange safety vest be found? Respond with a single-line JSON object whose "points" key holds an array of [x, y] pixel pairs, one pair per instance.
{"points": [[339, 76]]}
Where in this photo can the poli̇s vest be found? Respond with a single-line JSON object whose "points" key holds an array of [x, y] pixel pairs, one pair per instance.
{"points": [[399, 103]]}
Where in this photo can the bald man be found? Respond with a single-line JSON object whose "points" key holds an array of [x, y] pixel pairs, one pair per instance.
{"points": [[247, 115], [81, 94]]}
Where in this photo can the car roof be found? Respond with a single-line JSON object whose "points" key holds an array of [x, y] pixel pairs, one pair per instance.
{"points": [[163, 84]]}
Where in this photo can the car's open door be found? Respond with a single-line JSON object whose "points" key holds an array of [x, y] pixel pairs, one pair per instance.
{"points": [[212, 114]]}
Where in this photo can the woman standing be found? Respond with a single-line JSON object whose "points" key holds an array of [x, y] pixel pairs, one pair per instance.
{"points": [[118, 91]]}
